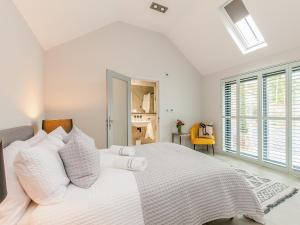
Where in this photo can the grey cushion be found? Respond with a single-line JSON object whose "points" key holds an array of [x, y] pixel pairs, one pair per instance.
{"points": [[81, 159]]}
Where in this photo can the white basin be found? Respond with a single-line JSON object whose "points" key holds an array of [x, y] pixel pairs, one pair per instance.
{"points": [[140, 123]]}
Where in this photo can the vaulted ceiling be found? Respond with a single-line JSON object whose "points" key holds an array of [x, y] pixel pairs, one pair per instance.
{"points": [[194, 26]]}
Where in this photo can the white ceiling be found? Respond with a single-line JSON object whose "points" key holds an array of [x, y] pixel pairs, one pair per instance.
{"points": [[194, 26]]}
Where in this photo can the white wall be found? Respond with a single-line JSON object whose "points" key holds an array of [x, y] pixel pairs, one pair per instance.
{"points": [[212, 85], [75, 77], [21, 70]]}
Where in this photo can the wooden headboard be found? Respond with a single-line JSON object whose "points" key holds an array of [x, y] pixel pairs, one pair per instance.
{"points": [[11, 135], [50, 125]]}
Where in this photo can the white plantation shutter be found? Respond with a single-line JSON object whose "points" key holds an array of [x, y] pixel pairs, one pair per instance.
{"points": [[296, 144], [261, 117], [274, 141], [230, 95], [230, 134], [274, 117], [229, 116], [274, 94], [296, 118], [249, 117], [296, 92]]}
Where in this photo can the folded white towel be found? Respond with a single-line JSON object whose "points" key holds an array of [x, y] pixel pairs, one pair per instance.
{"points": [[130, 163], [122, 150], [123, 162]]}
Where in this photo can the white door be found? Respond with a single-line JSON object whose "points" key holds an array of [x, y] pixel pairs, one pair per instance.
{"points": [[119, 109]]}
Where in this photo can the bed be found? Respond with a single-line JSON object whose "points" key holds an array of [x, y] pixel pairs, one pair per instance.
{"points": [[180, 186]]}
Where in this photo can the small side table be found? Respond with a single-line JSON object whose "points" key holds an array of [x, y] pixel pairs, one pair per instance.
{"points": [[180, 136]]}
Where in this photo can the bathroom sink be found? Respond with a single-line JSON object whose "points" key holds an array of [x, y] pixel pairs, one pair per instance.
{"points": [[140, 123]]}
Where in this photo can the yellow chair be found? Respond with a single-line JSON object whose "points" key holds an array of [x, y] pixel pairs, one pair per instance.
{"points": [[195, 140]]}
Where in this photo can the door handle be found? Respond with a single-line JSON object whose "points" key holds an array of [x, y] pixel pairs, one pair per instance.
{"points": [[109, 122]]}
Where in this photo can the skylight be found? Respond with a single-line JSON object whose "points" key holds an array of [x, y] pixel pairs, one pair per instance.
{"points": [[242, 27]]}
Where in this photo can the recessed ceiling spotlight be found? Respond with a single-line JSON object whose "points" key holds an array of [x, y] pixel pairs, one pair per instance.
{"points": [[158, 7]]}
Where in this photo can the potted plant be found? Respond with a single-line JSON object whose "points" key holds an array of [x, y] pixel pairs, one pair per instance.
{"points": [[179, 125]]}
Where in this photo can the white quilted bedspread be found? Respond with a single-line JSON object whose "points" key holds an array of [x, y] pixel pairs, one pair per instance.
{"points": [[115, 198], [112, 200], [184, 187]]}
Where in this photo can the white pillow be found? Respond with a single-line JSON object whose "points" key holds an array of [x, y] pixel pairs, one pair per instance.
{"points": [[59, 133], [14, 206], [41, 172], [40, 136], [75, 130]]}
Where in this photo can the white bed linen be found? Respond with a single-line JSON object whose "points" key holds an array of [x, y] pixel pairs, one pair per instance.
{"points": [[26, 217], [112, 200]]}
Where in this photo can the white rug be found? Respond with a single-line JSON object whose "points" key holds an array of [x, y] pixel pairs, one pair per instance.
{"points": [[270, 193]]}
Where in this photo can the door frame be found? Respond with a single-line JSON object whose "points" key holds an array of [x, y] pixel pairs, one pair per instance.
{"points": [[157, 82], [109, 96]]}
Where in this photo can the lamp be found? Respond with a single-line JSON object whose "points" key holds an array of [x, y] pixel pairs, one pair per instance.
{"points": [[3, 190], [50, 125]]}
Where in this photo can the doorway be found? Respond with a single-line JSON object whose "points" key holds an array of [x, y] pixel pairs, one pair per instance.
{"points": [[144, 112], [132, 110]]}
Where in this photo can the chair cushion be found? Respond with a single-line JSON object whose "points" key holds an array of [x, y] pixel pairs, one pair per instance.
{"points": [[204, 141]]}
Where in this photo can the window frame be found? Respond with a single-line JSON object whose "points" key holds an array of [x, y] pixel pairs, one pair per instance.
{"points": [[291, 118], [236, 34], [288, 117], [281, 118], [224, 117], [250, 75]]}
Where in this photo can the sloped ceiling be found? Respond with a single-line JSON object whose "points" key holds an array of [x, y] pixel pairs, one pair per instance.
{"points": [[194, 26]]}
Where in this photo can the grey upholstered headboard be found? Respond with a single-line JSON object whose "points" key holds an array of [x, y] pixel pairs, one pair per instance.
{"points": [[11, 135]]}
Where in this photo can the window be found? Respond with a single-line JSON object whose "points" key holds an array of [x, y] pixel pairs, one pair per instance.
{"points": [[296, 117], [274, 117], [242, 27], [261, 116], [248, 119], [229, 116]]}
